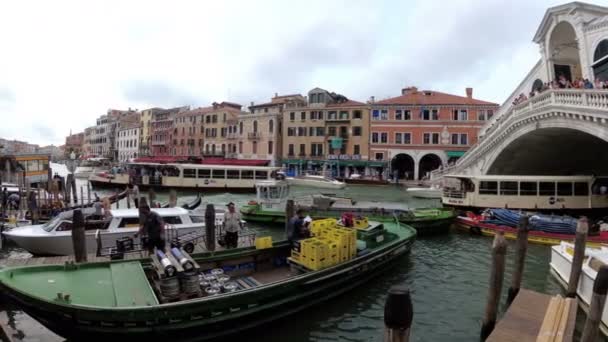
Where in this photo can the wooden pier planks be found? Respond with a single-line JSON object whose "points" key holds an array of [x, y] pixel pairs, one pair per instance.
{"points": [[523, 321]]}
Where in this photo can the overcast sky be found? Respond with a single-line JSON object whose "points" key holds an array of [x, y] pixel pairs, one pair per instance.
{"points": [[64, 63]]}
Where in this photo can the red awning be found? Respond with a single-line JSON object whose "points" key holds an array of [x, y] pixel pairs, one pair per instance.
{"points": [[206, 161]]}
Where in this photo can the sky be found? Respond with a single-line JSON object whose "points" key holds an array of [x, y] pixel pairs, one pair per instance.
{"points": [[64, 63]]}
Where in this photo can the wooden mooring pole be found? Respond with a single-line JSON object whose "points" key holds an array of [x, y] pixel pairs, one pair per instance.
{"points": [[398, 315], [172, 198], [499, 251], [289, 212], [88, 192], [582, 228], [598, 300], [151, 198], [520, 258], [78, 237], [210, 227]]}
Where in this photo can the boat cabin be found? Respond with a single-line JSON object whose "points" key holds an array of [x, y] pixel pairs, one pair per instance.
{"points": [[271, 194], [526, 192], [118, 219]]}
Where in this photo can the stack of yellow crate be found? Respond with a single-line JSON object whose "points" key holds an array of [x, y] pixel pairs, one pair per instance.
{"points": [[263, 242], [331, 244]]}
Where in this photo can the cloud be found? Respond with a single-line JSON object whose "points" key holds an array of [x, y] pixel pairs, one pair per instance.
{"points": [[143, 53], [158, 92]]}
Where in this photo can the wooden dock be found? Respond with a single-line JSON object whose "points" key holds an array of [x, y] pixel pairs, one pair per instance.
{"points": [[532, 317]]}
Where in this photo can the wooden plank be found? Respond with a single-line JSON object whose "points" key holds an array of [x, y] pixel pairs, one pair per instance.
{"points": [[551, 320], [523, 320]]}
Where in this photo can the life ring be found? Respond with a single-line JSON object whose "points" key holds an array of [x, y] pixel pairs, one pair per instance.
{"points": [[475, 230], [252, 202]]}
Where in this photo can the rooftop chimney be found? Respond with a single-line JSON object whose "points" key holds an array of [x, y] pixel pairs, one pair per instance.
{"points": [[251, 103], [408, 90], [469, 92], [276, 94], [372, 99]]}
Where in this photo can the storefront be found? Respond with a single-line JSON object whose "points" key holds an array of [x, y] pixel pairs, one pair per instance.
{"points": [[338, 166]]}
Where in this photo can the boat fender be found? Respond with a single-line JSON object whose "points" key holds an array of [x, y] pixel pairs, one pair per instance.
{"points": [[252, 202], [186, 264], [168, 267], [475, 230]]}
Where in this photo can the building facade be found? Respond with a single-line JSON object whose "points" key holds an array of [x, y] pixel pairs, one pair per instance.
{"points": [[145, 137], [74, 143], [420, 131], [127, 140], [188, 132], [162, 126], [326, 132], [221, 124]]}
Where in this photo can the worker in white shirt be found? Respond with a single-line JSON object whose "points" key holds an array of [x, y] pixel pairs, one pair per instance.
{"points": [[232, 224]]}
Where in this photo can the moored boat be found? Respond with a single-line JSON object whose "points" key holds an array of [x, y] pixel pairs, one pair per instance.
{"points": [[269, 207], [477, 224], [424, 192], [55, 236], [561, 264], [121, 300], [91, 166], [315, 181]]}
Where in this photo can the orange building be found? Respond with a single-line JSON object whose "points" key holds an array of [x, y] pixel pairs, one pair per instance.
{"points": [[420, 131]]}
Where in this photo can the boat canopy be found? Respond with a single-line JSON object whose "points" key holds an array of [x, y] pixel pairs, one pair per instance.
{"points": [[120, 213]]}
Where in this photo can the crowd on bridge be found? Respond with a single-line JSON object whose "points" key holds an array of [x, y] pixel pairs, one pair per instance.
{"points": [[563, 83]]}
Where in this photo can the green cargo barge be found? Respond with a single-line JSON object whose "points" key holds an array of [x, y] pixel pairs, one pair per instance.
{"points": [[118, 300]]}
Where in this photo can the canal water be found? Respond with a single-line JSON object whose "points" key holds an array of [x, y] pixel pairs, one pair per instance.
{"points": [[447, 275]]}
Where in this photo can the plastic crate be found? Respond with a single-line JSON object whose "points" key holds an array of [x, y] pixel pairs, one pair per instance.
{"points": [[263, 242], [317, 225], [316, 258], [360, 223]]}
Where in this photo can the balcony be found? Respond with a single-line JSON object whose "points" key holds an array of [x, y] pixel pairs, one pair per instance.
{"points": [[254, 135], [233, 136]]}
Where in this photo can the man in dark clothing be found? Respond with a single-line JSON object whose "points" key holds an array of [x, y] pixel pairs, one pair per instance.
{"points": [[295, 228], [4, 198], [153, 227]]}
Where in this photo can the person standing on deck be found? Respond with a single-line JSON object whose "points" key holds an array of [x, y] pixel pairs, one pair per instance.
{"points": [[4, 198], [32, 206], [153, 227], [232, 224], [296, 229], [134, 193]]}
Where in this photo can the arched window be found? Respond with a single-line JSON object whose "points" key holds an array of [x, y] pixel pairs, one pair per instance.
{"points": [[255, 147], [600, 61], [241, 127], [240, 147], [255, 126], [271, 126]]}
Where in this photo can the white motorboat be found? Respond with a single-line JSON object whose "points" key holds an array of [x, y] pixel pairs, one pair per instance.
{"points": [[55, 236], [91, 166], [561, 264], [315, 181], [422, 192]]}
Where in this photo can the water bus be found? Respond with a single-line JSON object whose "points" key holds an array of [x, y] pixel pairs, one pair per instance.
{"points": [[229, 178], [539, 193]]}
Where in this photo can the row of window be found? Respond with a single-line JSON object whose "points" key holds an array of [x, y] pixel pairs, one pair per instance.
{"points": [[232, 148], [430, 114], [225, 174], [127, 132], [331, 115], [316, 149], [512, 188], [427, 138], [127, 143], [320, 131]]}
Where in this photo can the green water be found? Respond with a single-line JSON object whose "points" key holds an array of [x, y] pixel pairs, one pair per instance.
{"points": [[447, 275]]}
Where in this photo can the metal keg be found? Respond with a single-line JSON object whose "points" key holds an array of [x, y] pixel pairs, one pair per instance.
{"points": [[169, 287], [212, 290], [217, 271], [230, 286], [222, 278], [189, 282]]}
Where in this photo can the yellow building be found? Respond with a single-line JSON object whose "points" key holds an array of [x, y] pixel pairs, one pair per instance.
{"points": [[328, 132]]}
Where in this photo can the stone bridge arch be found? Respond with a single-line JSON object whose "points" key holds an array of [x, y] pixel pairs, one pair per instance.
{"points": [[551, 144]]}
